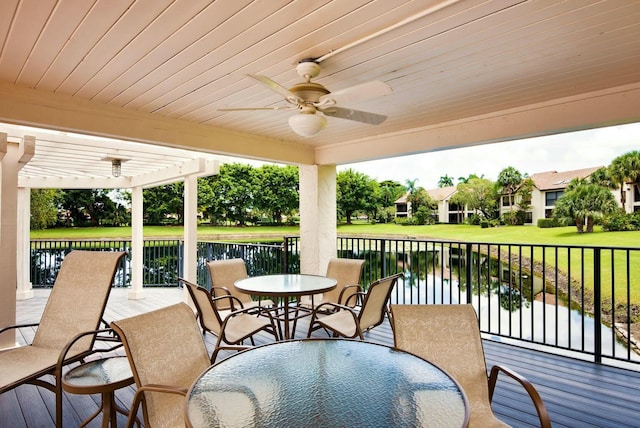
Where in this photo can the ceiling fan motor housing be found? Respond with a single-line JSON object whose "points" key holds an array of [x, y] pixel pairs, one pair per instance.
{"points": [[310, 92]]}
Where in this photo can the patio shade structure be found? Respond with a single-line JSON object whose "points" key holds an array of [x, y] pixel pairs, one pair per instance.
{"points": [[159, 72]]}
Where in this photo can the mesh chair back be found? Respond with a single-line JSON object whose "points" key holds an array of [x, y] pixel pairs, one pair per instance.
{"points": [[345, 272], [448, 336], [78, 300], [375, 302], [164, 347], [207, 314], [224, 273]]}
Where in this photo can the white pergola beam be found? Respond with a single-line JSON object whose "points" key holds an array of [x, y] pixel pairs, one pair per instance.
{"points": [[199, 167]]}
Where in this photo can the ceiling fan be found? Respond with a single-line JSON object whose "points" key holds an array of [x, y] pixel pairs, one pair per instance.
{"points": [[313, 101]]}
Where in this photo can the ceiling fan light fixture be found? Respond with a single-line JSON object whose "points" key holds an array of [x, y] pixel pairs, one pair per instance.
{"points": [[307, 125]]}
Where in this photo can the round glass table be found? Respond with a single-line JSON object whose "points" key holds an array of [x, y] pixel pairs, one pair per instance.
{"points": [[286, 286], [325, 383]]}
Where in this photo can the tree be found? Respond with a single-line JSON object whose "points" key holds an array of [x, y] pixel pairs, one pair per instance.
{"points": [[355, 192], [445, 181], [470, 177], [278, 193], [624, 169], [584, 201], [74, 203], [388, 193], [87, 206], [44, 212], [410, 185], [525, 191], [508, 181], [602, 177], [235, 189], [422, 205], [478, 194], [162, 203]]}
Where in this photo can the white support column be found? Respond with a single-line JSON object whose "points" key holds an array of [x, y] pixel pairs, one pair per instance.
{"points": [[137, 243], [190, 265], [8, 237], [24, 287], [318, 232]]}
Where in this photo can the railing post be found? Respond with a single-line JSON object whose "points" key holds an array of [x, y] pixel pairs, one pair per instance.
{"points": [[285, 258], [468, 271], [383, 257], [597, 310]]}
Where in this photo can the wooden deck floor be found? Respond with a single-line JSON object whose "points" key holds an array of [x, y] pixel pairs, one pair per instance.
{"points": [[577, 393]]}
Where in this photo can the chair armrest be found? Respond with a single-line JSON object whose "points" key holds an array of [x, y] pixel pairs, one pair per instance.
{"points": [[543, 415], [255, 310], [96, 333], [219, 291], [137, 398], [329, 307], [224, 290], [334, 308], [16, 326], [170, 389], [342, 293], [233, 301]]}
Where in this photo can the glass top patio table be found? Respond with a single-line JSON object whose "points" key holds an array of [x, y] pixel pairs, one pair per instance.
{"points": [[286, 286], [325, 383]]}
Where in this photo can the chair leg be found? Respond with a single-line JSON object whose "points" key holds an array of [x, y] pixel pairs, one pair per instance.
{"points": [[58, 393], [295, 322]]}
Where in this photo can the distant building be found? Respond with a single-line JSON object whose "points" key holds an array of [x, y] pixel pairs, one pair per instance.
{"points": [[446, 212], [548, 188]]}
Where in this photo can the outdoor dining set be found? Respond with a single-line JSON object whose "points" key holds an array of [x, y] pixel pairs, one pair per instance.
{"points": [[434, 375]]}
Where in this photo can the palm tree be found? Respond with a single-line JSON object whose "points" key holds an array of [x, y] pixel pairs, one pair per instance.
{"points": [[624, 169], [411, 185], [602, 177], [445, 181], [584, 201], [508, 180]]}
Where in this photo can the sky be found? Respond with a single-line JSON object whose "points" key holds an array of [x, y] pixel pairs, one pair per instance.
{"points": [[561, 152]]}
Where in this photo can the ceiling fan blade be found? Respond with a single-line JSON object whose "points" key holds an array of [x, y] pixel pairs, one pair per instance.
{"points": [[357, 115], [258, 108], [364, 91], [275, 86]]}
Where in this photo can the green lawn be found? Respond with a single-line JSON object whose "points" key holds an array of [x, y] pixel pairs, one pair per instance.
{"points": [[506, 234]]}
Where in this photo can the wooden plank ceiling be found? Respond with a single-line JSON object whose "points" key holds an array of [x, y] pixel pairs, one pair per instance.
{"points": [[179, 61]]}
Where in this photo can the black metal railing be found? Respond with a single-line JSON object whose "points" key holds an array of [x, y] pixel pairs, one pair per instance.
{"points": [[581, 301]]}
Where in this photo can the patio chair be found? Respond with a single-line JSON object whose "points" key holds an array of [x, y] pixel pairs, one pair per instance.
{"points": [[68, 328], [346, 321], [223, 274], [449, 336], [347, 273], [166, 353], [236, 326]]}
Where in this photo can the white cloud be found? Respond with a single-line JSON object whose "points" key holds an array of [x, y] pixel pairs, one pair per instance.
{"points": [[562, 152]]}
